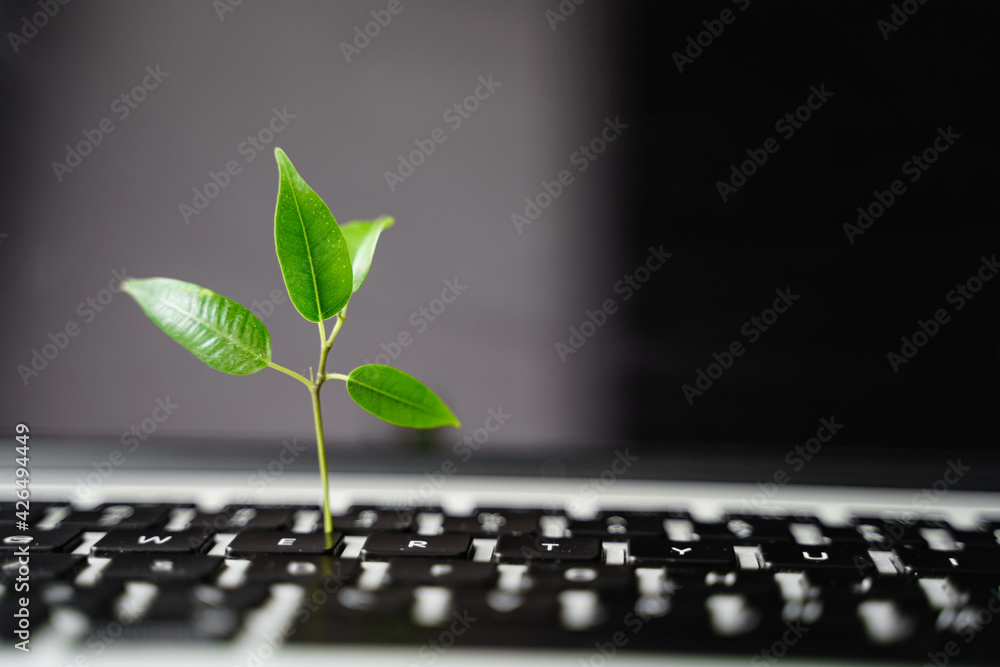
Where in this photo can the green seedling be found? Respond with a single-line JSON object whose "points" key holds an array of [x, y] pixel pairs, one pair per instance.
{"points": [[323, 264]]}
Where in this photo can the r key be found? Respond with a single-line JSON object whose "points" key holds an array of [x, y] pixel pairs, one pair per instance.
{"points": [[383, 545]]}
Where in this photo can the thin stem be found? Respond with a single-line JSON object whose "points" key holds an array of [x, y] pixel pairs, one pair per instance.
{"points": [[326, 345], [290, 372], [341, 316], [321, 451], [314, 387], [337, 376]]}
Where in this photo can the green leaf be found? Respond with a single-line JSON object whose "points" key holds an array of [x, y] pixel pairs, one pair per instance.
{"points": [[217, 330], [398, 398], [314, 257], [361, 237]]}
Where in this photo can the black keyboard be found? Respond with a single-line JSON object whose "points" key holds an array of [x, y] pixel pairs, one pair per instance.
{"points": [[758, 586]]}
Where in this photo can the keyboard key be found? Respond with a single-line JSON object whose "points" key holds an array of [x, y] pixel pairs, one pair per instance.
{"points": [[37, 511], [488, 522], [306, 570], [364, 520], [177, 614], [150, 541], [980, 539], [539, 609], [886, 533], [109, 516], [620, 525], [981, 589], [355, 616], [236, 518], [609, 578], [927, 562], [752, 529], [244, 598], [384, 545], [43, 567], [706, 552], [518, 549], [253, 542], [38, 540], [162, 569], [356, 608], [757, 585], [787, 556], [96, 602], [428, 572]]}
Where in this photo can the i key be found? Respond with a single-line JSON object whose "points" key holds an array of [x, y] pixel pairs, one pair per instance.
{"points": [[383, 545]]}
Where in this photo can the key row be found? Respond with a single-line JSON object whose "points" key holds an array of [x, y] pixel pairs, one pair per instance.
{"points": [[677, 526], [858, 557]]}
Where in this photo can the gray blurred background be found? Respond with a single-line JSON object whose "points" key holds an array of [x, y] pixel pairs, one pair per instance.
{"points": [[119, 209]]}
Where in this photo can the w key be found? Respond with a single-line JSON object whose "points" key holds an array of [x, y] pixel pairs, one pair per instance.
{"points": [[383, 545], [143, 541]]}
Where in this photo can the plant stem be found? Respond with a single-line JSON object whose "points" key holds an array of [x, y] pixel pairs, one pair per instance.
{"points": [[314, 384], [314, 387], [290, 372], [337, 376], [321, 451], [341, 316]]}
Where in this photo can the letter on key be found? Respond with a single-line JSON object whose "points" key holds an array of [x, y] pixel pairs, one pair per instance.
{"points": [[140, 541], [383, 545], [271, 542]]}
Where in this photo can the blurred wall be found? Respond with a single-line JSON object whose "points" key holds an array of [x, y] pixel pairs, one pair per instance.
{"points": [[211, 81]]}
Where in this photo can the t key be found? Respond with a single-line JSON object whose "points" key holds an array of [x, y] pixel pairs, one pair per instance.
{"points": [[382, 545], [517, 549]]}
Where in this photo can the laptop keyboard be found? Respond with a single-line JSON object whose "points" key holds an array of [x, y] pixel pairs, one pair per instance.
{"points": [[758, 586]]}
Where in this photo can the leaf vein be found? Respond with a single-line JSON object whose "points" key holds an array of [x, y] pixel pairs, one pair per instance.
{"points": [[397, 398], [312, 267], [221, 332]]}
